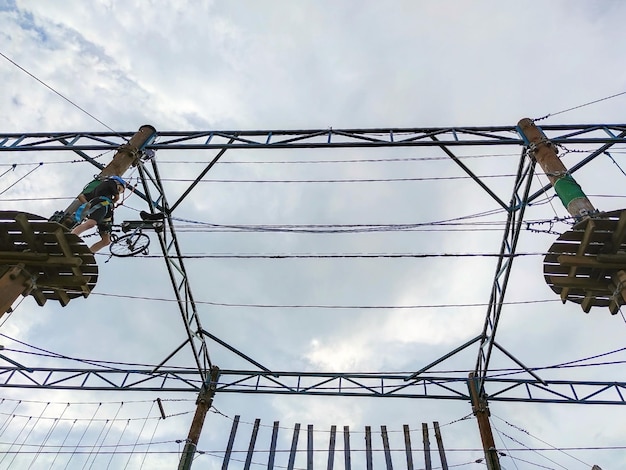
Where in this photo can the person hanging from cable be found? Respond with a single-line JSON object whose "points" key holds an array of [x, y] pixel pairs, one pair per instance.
{"points": [[97, 210]]}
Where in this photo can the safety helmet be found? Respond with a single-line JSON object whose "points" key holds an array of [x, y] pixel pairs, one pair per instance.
{"points": [[118, 180]]}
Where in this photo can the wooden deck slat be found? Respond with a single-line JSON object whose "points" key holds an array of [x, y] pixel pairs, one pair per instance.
{"points": [[60, 262], [582, 262]]}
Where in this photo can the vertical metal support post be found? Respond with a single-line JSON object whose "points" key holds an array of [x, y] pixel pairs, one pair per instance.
{"points": [[255, 432], [383, 433], [294, 447], [272, 456], [510, 239], [231, 441], [331, 447], [368, 448], [309, 447], [481, 411], [442, 452], [203, 403], [407, 447], [346, 448], [428, 465]]}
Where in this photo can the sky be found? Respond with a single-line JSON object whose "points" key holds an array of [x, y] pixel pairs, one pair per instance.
{"points": [[216, 65]]}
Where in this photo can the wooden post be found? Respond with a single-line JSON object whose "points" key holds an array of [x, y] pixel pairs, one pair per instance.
{"points": [[14, 282], [543, 151], [204, 402], [127, 155], [481, 411]]}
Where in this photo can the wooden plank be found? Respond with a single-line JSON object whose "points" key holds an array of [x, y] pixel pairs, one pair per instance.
{"points": [[368, 448], [231, 441], [442, 452], [67, 251], [586, 284], [272, 456], [618, 297], [407, 447], [331, 447], [255, 431], [294, 447], [386, 449], [346, 448], [601, 261], [598, 237], [426, 440], [572, 248], [582, 249], [27, 232], [619, 234], [588, 302]]}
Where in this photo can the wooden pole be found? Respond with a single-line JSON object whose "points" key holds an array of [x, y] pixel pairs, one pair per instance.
{"points": [[570, 193], [481, 411], [543, 151], [14, 282], [203, 404], [127, 155]]}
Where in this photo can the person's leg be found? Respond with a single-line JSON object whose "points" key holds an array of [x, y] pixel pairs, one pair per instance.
{"points": [[105, 241], [86, 225]]}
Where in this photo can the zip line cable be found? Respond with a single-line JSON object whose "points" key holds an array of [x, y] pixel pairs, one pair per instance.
{"points": [[318, 306], [20, 179], [580, 106], [62, 96]]}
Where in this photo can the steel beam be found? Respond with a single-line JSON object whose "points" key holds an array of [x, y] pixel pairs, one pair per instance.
{"points": [[378, 385]]}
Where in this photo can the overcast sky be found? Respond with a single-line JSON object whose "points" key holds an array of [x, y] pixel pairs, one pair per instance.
{"points": [[211, 65]]}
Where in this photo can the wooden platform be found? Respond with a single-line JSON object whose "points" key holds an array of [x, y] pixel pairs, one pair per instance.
{"points": [[60, 263], [587, 264]]}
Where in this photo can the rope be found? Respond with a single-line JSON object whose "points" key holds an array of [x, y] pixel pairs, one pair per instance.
{"points": [[69, 431], [150, 443], [8, 451], [130, 456], [118, 443], [83, 435], [28, 435], [50, 431]]}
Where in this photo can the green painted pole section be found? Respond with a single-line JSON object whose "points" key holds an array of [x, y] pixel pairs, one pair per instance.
{"points": [[543, 151]]}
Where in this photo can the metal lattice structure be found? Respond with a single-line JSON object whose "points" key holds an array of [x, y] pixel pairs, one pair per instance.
{"points": [[598, 138]]}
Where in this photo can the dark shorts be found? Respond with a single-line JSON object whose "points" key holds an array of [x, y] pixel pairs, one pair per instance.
{"points": [[100, 214], [106, 226], [103, 215]]}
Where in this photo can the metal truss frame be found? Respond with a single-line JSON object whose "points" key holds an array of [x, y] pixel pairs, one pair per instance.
{"points": [[594, 134], [598, 138], [317, 384]]}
